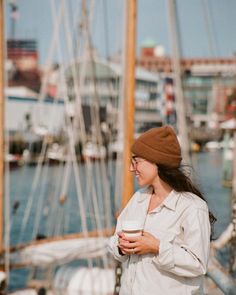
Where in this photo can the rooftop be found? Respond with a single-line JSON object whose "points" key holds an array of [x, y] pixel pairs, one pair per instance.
{"points": [[149, 43]]}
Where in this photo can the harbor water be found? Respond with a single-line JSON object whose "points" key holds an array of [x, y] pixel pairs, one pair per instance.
{"points": [[208, 175]]}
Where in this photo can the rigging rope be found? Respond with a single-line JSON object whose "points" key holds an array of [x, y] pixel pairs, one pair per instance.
{"points": [[54, 203], [120, 137], [209, 28], [39, 170], [69, 128], [75, 82], [39, 202], [43, 151], [96, 123], [70, 133], [97, 136], [33, 191]]}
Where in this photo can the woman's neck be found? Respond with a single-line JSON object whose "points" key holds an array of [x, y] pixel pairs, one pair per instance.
{"points": [[160, 190], [158, 196]]}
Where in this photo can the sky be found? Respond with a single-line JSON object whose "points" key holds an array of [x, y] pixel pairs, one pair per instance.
{"points": [[207, 27]]}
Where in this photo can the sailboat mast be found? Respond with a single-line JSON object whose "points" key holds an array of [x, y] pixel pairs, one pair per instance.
{"points": [[180, 102], [2, 153], [129, 97]]}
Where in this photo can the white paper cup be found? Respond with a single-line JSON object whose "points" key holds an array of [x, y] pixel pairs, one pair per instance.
{"points": [[132, 228]]}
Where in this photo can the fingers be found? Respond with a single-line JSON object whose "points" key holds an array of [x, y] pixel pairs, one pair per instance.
{"points": [[133, 239], [147, 243], [122, 243], [135, 245], [128, 245], [120, 234], [130, 251], [121, 237]]}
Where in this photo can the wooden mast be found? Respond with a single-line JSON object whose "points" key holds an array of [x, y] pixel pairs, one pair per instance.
{"points": [[180, 101], [129, 97], [2, 152]]}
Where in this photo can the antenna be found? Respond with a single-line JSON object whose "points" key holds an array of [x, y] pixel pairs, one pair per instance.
{"points": [[14, 16]]}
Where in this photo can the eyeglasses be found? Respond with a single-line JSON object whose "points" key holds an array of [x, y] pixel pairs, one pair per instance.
{"points": [[135, 160]]}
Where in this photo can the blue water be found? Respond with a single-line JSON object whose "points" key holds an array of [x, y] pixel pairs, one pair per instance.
{"points": [[208, 169], [208, 174]]}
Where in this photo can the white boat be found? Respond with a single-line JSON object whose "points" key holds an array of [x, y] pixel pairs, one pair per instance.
{"points": [[13, 160], [56, 153], [229, 124], [213, 145], [93, 151]]}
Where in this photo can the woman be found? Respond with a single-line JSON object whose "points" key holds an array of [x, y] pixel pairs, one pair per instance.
{"points": [[170, 257]]}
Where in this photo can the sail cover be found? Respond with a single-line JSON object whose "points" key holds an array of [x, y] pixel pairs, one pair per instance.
{"points": [[84, 281], [60, 252]]}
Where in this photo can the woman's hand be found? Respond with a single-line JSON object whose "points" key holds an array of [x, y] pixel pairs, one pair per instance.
{"points": [[144, 244], [121, 241]]}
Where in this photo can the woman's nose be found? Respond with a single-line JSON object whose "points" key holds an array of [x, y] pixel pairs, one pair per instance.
{"points": [[131, 167]]}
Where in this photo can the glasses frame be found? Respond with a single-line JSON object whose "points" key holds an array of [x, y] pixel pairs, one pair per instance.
{"points": [[134, 162]]}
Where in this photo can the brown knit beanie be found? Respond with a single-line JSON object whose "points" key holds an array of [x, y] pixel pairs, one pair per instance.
{"points": [[160, 146]]}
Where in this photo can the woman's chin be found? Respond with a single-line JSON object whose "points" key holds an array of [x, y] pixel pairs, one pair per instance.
{"points": [[141, 183]]}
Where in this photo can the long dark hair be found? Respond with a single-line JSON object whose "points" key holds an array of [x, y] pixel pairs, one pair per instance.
{"points": [[179, 179]]}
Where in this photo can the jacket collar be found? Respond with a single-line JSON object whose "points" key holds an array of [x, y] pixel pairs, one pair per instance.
{"points": [[170, 201]]}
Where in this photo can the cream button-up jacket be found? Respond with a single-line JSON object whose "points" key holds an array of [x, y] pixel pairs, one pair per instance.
{"points": [[181, 223]]}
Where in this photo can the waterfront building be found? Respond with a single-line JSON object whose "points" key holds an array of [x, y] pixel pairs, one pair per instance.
{"points": [[102, 83], [22, 63], [108, 83], [24, 111], [207, 82]]}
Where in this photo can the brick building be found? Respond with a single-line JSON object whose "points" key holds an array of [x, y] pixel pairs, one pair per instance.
{"points": [[22, 63], [205, 81]]}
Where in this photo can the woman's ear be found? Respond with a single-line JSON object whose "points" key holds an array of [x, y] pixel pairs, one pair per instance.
{"points": [[157, 168]]}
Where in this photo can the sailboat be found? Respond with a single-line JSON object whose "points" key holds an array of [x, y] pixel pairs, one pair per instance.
{"points": [[44, 231]]}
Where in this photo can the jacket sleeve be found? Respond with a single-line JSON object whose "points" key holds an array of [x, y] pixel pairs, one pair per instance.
{"points": [[113, 249], [190, 257], [113, 242]]}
